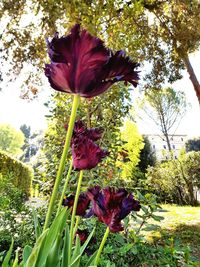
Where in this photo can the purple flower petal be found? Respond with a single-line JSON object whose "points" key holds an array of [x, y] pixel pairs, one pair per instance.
{"points": [[94, 133], [58, 74], [82, 206], [111, 205], [85, 153], [80, 64]]}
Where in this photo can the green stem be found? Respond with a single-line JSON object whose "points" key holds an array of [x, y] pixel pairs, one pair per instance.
{"points": [[101, 246], [62, 161], [76, 226], [74, 212], [64, 188]]}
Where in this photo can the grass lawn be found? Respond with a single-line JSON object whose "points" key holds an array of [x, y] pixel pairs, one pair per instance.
{"points": [[180, 222]]}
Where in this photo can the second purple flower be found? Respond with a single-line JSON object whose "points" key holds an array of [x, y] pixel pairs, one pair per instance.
{"points": [[85, 153]]}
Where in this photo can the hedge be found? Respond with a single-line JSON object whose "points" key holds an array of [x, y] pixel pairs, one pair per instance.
{"points": [[21, 174]]}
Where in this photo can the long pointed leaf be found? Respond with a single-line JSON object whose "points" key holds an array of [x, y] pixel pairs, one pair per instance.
{"points": [[65, 255], [15, 263], [75, 262], [26, 253], [77, 249], [56, 228], [8, 255], [38, 228], [32, 259], [54, 255], [90, 262], [87, 241]]}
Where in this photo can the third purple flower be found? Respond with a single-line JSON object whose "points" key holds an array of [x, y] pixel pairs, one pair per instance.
{"points": [[82, 206], [111, 205]]}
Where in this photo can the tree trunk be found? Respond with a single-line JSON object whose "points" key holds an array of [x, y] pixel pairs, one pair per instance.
{"points": [[193, 201], [180, 198], [164, 129], [168, 142], [193, 77]]}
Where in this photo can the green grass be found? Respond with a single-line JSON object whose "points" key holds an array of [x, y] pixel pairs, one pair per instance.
{"points": [[180, 223]]}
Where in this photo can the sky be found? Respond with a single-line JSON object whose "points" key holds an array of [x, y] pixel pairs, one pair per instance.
{"points": [[190, 124], [17, 111]]}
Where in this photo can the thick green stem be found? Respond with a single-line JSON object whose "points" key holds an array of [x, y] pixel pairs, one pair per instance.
{"points": [[64, 188], [74, 211], [101, 246], [62, 161]]}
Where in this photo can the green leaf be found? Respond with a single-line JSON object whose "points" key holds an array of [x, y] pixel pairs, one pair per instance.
{"points": [[54, 255], [151, 227], [144, 209], [119, 238], [32, 259], [87, 241], [75, 260], [56, 228], [91, 260], [65, 256], [38, 228], [15, 263], [26, 253], [8, 255], [157, 218]]}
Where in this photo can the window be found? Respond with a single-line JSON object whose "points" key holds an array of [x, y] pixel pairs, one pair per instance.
{"points": [[164, 146], [154, 146], [173, 146], [181, 138]]}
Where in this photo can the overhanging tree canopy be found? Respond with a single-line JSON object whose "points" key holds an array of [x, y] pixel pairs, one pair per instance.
{"points": [[161, 32]]}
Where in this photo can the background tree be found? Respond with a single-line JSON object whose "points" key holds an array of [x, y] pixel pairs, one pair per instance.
{"points": [[176, 33], [177, 180], [163, 33], [130, 150], [147, 155], [192, 145], [49, 17], [165, 108], [32, 143], [11, 140]]}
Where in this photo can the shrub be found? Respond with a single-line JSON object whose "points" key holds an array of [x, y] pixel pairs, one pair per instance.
{"points": [[20, 226], [20, 174], [11, 197], [176, 180]]}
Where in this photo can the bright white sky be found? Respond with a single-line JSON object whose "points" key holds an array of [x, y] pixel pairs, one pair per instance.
{"points": [[16, 111]]}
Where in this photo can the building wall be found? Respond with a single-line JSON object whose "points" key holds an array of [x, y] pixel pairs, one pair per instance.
{"points": [[159, 145]]}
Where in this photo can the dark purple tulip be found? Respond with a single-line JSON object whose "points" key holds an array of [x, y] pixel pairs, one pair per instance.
{"points": [[111, 206], [82, 206], [81, 64], [85, 153], [94, 133], [80, 129]]}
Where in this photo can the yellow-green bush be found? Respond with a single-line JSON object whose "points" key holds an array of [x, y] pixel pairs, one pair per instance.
{"points": [[21, 174]]}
